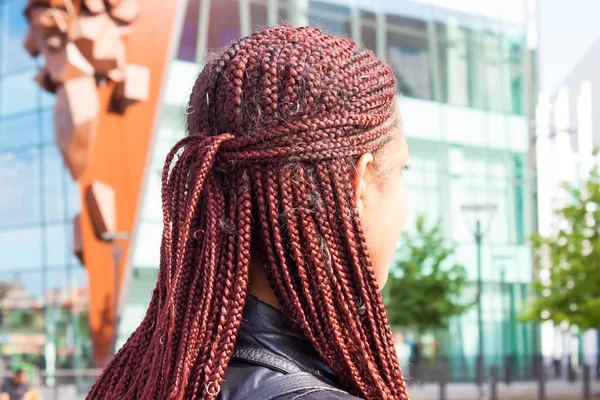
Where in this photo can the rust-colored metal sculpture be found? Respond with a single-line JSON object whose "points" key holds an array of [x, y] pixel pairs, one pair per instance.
{"points": [[82, 42], [113, 146], [100, 200], [77, 240]]}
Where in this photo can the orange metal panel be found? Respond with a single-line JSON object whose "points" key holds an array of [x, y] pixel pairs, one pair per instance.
{"points": [[118, 159]]}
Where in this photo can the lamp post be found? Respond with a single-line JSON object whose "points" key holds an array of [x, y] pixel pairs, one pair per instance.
{"points": [[478, 234], [501, 261], [114, 238], [507, 320]]}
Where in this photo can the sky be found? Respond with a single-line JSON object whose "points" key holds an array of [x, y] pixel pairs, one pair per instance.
{"points": [[567, 29]]}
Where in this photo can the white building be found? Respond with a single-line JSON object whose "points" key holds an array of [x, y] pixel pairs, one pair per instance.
{"points": [[566, 137]]}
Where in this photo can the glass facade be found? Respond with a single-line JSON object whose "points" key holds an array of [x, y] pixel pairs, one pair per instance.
{"points": [[461, 76], [37, 203]]}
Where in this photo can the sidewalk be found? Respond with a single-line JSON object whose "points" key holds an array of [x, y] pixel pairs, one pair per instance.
{"points": [[555, 390]]}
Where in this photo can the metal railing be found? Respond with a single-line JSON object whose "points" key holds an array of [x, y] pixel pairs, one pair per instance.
{"points": [[533, 378], [529, 378]]}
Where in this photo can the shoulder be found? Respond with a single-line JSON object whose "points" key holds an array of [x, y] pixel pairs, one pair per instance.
{"points": [[253, 382], [242, 377], [318, 394]]}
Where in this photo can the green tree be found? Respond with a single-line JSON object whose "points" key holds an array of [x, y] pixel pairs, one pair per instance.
{"points": [[424, 290], [570, 291]]}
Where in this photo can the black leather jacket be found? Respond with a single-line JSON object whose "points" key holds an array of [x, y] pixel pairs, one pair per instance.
{"points": [[265, 328]]}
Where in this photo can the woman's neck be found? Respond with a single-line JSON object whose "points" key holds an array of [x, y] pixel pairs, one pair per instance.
{"points": [[259, 284]]}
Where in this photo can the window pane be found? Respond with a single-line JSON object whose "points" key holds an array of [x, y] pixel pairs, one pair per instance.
{"points": [[453, 63], [258, 15], [152, 205], [56, 245], [146, 252], [332, 18], [496, 80], [285, 15], [20, 248], [19, 184], [73, 195], [224, 23], [19, 132], [520, 193], [170, 131], [189, 32], [172, 125], [516, 75], [367, 32], [23, 308], [18, 93], [58, 316], [144, 282], [161, 149], [138, 297], [408, 54], [58, 281], [79, 277], [12, 31], [47, 126], [425, 183], [48, 99], [53, 191]]}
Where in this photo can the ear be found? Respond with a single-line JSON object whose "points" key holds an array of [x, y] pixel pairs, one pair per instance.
{"points": [[364, 167]]}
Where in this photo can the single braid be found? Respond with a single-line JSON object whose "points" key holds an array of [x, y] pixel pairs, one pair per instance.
{"points": [[276, 125], [321, 279]]}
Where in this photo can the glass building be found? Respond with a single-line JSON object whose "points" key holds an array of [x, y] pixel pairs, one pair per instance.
{"points": [[462, 75], [38, 200]]}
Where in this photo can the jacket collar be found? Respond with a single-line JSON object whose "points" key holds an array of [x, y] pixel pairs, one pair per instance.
{"points": [[267, 327]]}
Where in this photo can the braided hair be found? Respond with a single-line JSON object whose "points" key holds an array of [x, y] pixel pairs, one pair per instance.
{"points": [[276, 125]]}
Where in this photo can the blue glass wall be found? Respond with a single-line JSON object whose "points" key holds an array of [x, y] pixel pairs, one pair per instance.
{"points": [[38, 197]]}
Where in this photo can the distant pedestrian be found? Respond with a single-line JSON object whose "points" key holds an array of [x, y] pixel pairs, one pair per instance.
{"points": [[402, 348], [15, 387], [415, 353], [414, 360]]}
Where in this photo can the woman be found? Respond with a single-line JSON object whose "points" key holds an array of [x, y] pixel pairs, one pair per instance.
{"points": [[281, 214]]}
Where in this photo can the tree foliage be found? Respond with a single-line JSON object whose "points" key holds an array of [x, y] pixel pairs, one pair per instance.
{"points": [[570, 290], [424, 290]]}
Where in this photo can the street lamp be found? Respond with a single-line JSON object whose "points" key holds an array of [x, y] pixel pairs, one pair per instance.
{"points": [[114, 238], [478, 233], [507, 320], [501, 261]]}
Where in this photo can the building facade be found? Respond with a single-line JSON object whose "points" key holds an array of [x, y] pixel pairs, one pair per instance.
{"points": [[464, 78], [37, 203], [567, 132]]}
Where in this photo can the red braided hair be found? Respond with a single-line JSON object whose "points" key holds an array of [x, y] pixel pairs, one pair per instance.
{"points": [[277, 123]]}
